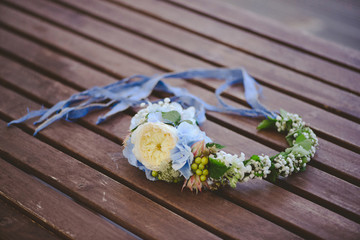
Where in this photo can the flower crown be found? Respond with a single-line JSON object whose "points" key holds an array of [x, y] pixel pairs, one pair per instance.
{"points": [[166, 142]]}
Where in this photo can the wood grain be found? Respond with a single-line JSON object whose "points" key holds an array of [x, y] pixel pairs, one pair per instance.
{"points": [[256, 24], [238, 39]]}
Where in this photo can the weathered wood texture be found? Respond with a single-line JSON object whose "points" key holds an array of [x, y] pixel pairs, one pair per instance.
{"points": [[15, 225], [49, 50]]}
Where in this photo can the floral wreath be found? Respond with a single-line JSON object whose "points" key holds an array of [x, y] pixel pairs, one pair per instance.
{"points": [[165, 140], [167, 143]]}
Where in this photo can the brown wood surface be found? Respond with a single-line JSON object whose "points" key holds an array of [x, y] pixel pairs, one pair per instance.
{"points": [[49, 50], [248, 145], [50, 207], [240, 17], [15, 225], [256, 46], [326, 182]]}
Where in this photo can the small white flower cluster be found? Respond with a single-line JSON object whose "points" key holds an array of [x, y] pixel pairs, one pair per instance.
{"points": [[260, 169], [309, 134], [237, 169], [229, 159], [297, 122], [285, 166], [161, 106]]}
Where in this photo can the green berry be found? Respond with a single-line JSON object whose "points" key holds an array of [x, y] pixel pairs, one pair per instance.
{"points": [[204, 160], [198, 160], [194, 166], [205, 172], [176, 180], [203, 178], [201, 166], [198, 172], [154, 173]]}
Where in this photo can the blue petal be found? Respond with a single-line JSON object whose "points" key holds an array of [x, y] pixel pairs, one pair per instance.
{"points": [[155, 117], [182, 158], [190, 133]]}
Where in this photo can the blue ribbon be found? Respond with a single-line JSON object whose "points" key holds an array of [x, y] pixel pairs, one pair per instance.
{"points": [[132, 91]]}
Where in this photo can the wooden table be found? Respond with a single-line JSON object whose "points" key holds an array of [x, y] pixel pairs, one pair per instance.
{"points": [[71, 181]]}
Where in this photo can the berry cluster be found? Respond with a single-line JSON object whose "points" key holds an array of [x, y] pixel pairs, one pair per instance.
{"points": [[199, 167]]}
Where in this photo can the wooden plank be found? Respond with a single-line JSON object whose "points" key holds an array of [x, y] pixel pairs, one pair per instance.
{"points": [[199, 208], [242, 40], [237, 141], [53, 209], [320, 120], [333, 156], [333, 98], [254, 23], [14, 225]]}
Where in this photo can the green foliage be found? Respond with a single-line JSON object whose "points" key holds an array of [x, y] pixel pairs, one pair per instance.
{"points": [[132, 130], [173, 117], [253, 157], [216, 168], [216, 145], [267, 123]]}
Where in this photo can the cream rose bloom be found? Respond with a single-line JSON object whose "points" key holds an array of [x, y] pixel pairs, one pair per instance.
{"points": [[153, 143]]}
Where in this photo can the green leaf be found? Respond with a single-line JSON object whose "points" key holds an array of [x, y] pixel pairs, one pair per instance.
{"points": [[267, 123], [216, 168], [306, 144], [217, 146], [172, 116], [253, 157], [297, 149], [300, 138]]}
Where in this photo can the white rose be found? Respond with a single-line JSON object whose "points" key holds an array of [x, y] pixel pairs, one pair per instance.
{"points": [[153, 143]]}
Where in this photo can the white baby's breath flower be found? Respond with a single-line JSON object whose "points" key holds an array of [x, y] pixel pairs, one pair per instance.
{"points": [[153, 143]]}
